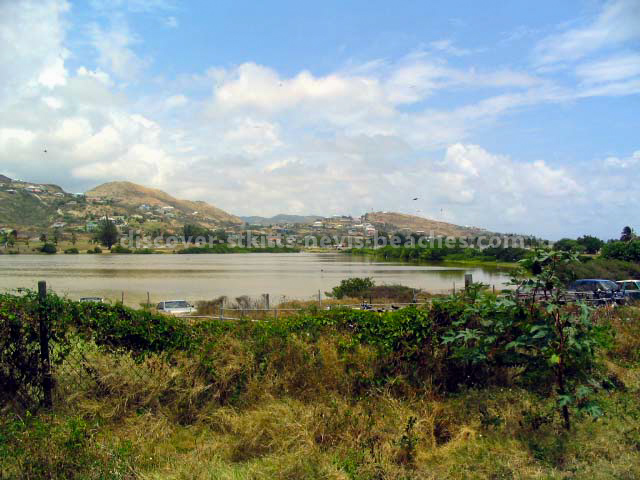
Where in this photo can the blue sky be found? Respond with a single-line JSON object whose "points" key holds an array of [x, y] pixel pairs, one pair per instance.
{"points": [[514, 116]]}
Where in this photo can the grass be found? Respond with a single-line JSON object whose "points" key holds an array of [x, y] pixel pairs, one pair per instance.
{"points": [[295, 408]]}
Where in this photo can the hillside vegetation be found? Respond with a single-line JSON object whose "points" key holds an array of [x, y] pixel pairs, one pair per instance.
{"points": [[25, 209]]}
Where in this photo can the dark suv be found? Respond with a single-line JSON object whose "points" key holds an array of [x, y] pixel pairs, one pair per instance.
{"points": [[597, 291]]}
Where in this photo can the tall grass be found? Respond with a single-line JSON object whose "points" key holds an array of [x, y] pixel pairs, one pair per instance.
{"points": [[313, 397]]}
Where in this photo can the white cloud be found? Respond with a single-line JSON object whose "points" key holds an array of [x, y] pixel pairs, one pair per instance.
{"points": [[616, 24], [171, 22], [618, 67], [175, 101], [447, 46], [115, 52], [31, 35], [630, 162], [97, 74]]}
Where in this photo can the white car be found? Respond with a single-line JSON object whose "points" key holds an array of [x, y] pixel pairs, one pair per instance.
{"points": [[631, 288], [92, 300], [176, 307]]}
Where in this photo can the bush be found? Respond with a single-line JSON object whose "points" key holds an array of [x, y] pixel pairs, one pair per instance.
{"points": [[353, 287], [49, 248], [121, 249], [627, 251], [72, 251]]}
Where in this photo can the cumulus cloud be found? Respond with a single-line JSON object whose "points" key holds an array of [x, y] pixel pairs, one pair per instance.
{"points": [[31, 35]]}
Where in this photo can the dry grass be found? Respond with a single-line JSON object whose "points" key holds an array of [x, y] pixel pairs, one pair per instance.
{"points": [[293, 408]]}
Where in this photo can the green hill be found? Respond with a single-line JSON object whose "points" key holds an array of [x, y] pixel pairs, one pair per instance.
{"points": [[25, 209]]}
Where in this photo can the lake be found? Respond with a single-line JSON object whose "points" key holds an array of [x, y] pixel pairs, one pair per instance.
{"points": [[200, 277]]}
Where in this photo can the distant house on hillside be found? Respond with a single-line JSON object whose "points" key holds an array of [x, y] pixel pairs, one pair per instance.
{"points": [[58, 225]]}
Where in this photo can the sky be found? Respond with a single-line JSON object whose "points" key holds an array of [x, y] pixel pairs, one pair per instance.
{"points": [[513, 116]]}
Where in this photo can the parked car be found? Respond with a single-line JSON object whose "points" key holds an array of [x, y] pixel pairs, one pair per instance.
{"points": [[92, 300], [176, 307], [597, 291], [630, 289]]}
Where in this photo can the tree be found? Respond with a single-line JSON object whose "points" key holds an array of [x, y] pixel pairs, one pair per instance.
{"points": [[567, 245], [43, 238], [627, 234], [591, 244], [107, 233], [74, 238], [57, 235]]}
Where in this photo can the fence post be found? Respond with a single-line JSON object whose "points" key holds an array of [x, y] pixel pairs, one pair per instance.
{"points": [[44, 345], [454, 288], [468, 280], [221, 310], [275, 313], [266, 300], [319, 299]]}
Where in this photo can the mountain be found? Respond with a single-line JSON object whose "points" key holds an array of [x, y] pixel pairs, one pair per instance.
{"points": [[131, 195], [399, 221], [281, 219], [4, 179]]}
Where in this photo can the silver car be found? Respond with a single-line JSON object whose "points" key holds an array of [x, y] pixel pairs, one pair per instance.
{"points": [[176, 307]]}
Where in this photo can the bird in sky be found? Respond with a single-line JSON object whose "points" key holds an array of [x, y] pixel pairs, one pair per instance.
{"points": [[416, 198], [45, 150]]}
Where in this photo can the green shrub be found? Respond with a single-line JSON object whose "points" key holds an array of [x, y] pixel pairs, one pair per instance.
{"points": [[120, 249], [72, 251], [627, 251], [49, 248], [353, 287]]}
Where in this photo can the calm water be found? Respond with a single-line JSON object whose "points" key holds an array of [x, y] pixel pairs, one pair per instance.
{"points": [[198, 277]]}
